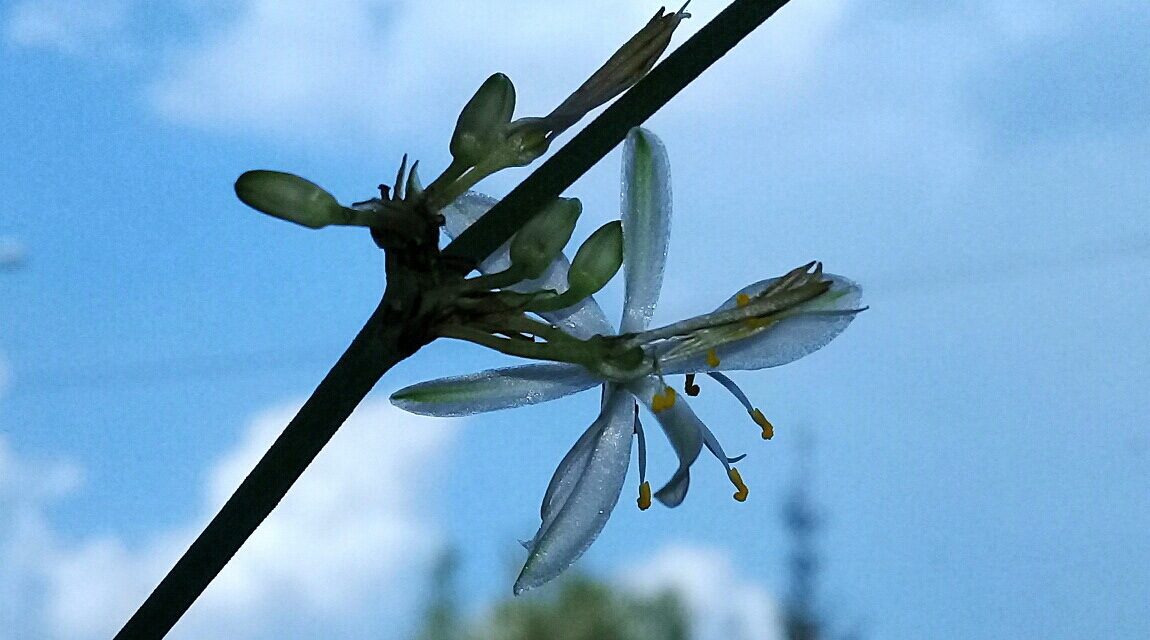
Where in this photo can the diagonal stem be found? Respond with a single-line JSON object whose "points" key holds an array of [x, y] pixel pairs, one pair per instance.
{"points": [[375, 350]]}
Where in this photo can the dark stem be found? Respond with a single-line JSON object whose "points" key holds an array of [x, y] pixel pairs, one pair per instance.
{"points": [[377, 348], [560, 171], [392, 333]]}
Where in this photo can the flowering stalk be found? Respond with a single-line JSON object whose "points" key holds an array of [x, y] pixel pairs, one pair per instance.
{"points": [[393, 331]]}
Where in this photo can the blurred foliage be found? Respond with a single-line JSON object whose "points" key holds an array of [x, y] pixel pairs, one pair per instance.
{"points": [[586, 609], [577, 608]]}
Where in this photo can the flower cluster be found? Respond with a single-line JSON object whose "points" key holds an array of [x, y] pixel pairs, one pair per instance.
{"points": [[531, 301], [766, 324]]}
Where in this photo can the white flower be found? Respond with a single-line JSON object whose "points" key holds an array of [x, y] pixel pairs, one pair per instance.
{"points": [[767, 324]]}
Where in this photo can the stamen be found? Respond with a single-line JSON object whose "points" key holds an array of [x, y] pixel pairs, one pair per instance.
{"points": [[664, 400], [712, 359], [690, 387], [742, 299], [644, 496], [737, 480], [761, 420], [642, 447], [756, 415]]}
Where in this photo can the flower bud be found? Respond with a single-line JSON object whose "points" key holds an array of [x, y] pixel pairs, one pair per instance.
{"points": [[598, 260], [541, 240], [289, 197], [526, 141], [483, 120]]}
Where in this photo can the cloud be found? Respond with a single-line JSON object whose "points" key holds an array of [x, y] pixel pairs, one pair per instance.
{"points": [[27, 489], [77, 28], [305, 68], [722, 604], [337, 555]]}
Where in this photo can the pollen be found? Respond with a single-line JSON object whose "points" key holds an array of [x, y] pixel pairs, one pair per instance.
{"points": [[742, 299], [644, 496], [690, 387], [761, 420], [664, 400], [737, 480], [712, 359]]}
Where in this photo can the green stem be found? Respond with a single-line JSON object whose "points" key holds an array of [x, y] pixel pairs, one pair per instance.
{"points": [[437, 200], [499, 280], [520, 348]]}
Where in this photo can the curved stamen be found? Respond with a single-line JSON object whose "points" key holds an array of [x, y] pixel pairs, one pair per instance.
{"points": [[644, 486], [756, 415], [737, 480], [716, 449], [690, 387]]}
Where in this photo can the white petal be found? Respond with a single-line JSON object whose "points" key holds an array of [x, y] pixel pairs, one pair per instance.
{"points": [[582, 320], [494, 389], [589, 495], [646, 213], [683, 429], [816, 324]]}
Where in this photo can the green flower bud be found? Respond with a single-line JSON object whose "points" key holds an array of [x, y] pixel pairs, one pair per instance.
{"points": [[483, 121], [526, 141], [541, 240], [289, 197], [597, 261]]}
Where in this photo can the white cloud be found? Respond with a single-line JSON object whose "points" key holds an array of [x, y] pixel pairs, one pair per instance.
{"points": [[27, 488], [81, 28], [343, 548], [723, 605], [305, 68]]}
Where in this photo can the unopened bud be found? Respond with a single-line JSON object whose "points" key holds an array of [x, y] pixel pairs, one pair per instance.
{"points": [[289, 197], [526, 141], [598, 260], [541, 240], [483, 121]]}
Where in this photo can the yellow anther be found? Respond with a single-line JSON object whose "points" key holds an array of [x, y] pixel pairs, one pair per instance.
{"points": [[737, 480], [690, 387], [664, 400], [761, 420], [644, 496], [742, 299], [712, 359]]}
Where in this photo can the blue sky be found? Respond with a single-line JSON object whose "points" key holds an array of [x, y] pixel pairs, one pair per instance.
{"points": [[979, 167]]}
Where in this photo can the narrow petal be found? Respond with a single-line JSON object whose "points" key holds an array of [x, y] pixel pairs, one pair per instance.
{"points": [[494, 389], [808, 329], [683, 429], [573, 464], [588, 497], [646, 213], [582, 320]]}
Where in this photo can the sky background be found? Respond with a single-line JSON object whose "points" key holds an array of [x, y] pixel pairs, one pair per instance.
{"points": [[980, 434]]}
